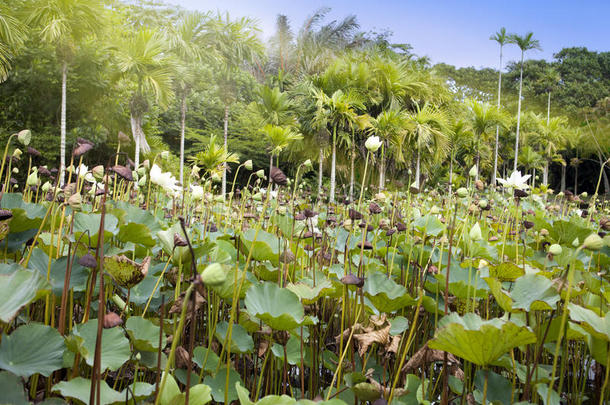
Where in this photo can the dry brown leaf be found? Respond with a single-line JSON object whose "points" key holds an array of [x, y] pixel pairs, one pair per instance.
{"points": [[425, 356], [381, 336]]}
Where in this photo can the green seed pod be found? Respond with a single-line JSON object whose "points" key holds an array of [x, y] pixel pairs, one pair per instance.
{"points": [[462, 192], [555, 249], [593, 242]]}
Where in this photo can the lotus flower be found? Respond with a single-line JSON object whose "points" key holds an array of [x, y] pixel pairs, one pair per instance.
{"points": [[196, 192], [373, 143], [164, 180], [516, 181]]}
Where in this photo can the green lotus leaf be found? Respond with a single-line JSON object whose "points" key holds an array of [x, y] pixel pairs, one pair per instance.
{"points": [[31, 349], [385, 294], [365, 391], [398, 325], [564, 232], [429, 224], [590, 321], [293, 351], [19, 289], [144, 334], [217, 384], [227, 288], [78, 276], [241, 341], [181, 254], [278, 307], [79, 388], [499, 389], [171, 395], [502, 297], [506, 271], [129, 213], [264, 247], [534, 292], [25, 215], [90, 222], [479, 341], [115, 346], [205, 358], [12, 389], [125, 271], [136, 233], [309, 294]]}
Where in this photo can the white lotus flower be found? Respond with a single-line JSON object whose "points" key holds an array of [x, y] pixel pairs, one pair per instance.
{"points": [[373, 143], [516, 180], [164, 180]]}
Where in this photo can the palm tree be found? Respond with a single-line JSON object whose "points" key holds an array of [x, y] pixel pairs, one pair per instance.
{"points": [[391, 126], [187, 41], [143, 62], [279, 138], [525, 43], [501, 38], [459, 134], [549, 81], [551, 137], [12, 37], [64, 23], [236, 43], [428, 127], [214, 157], [483, 117], [338, 111]]}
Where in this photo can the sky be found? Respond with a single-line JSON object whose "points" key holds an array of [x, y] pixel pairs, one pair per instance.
{"points": [[450, 31]]}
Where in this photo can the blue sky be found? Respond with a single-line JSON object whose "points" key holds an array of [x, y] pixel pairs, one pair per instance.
{"points": [[450, 31]]}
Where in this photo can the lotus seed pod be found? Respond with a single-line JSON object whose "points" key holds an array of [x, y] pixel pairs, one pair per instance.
{"points": [[593, 242], [260, 174], [555, 249], [24, 137], [473, 171], [98, 172], [462, 192], [32, 179], [248, 164], [483, 204]]}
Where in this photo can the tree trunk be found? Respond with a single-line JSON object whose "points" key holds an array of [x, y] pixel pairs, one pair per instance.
{"points": [[382, 168], [417, 170], [226, 135], [519, 114], [477, 163], [136, 137], [62, 141], [351, 175], [450, 175], [320, 171], [533, 177], [270, 166], [495, 169], [563, 178], [545, 173], [182, 129], [333, 163]]}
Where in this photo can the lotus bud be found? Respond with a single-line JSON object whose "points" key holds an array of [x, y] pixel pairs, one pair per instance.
{"points": [[260, 174], [475, 232], [544, 232], [473, 171], [213, 275], [462, 192], [373, 144], [560, 194], [24, 137], [216, 177], [195, 171], [32, 179], [46, 187], [555, 249], [98, 172], [584, 194], [307, 164], [347, 224], [576, 242], [141, 171], [15, 170], [142, 181], [257, 197], [165, 155], [483, 204], [17, 153], [593, 242], [248, 164]]}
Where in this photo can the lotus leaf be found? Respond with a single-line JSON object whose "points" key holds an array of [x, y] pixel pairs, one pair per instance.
{"points": [[144, 334], [591, 322], [32, 349], [241, 341], [19, 289], [263, 245], [115, 346], [12, 389], [217, 384], [278, 307], [385, 294], [479, 341], [534, 292], [79, 388]]}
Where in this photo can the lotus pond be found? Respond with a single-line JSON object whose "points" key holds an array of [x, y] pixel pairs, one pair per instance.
{"points": [[118, 289]]}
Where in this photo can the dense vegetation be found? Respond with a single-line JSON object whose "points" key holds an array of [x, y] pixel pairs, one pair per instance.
{"points": [[189, 215]]}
